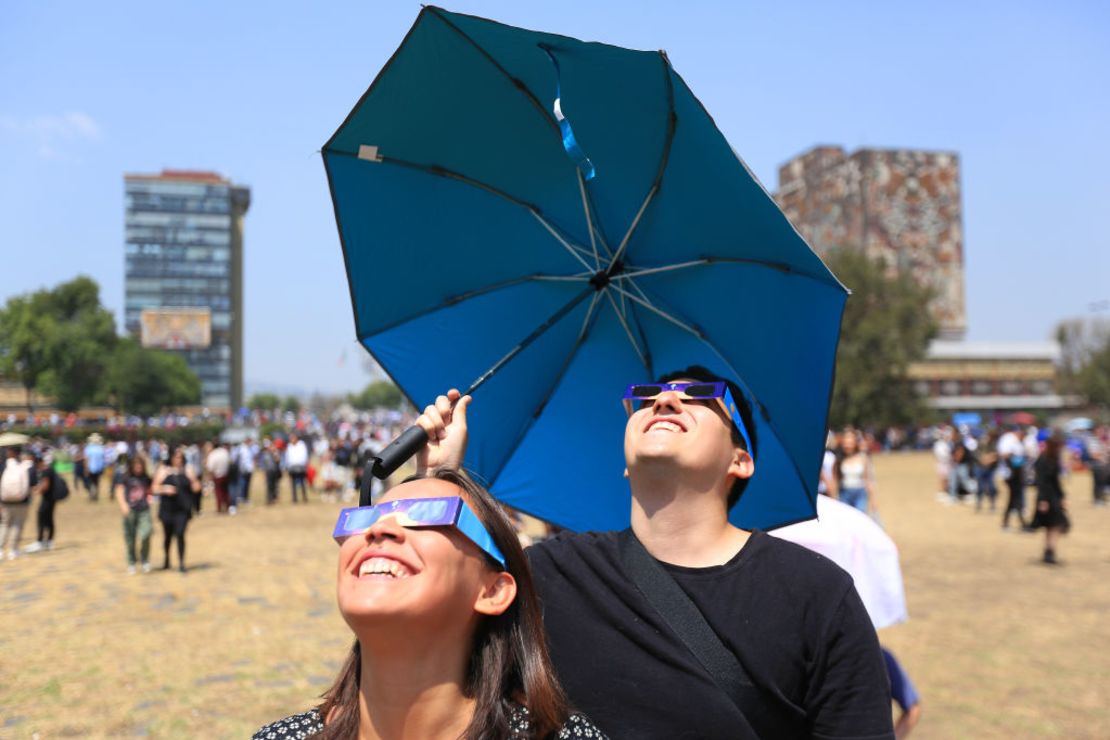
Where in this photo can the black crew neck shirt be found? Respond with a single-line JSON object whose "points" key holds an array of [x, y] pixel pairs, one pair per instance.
{"points": [[791, 616]]}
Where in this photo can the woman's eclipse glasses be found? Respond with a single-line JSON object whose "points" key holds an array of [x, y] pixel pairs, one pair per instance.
{"points": [[413, 513]]}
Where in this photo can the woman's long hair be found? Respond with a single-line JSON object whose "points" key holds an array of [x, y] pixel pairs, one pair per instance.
{"points": [[509, 661]]}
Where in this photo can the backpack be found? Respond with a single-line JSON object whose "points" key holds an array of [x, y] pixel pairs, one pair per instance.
{"points": [[15, 483], [61, 488]]}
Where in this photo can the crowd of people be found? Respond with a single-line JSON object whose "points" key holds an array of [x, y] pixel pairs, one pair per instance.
{"points": [[974, 466], [148, 478]]}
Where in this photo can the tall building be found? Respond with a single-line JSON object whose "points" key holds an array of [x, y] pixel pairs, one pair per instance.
{"points": [[184, 274], [898, 204]]}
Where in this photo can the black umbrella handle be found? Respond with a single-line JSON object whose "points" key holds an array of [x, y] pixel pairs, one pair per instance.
{"points": [[382, 465]]}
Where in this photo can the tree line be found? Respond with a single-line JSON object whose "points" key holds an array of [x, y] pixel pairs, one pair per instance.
{"points": [[62, 343]]}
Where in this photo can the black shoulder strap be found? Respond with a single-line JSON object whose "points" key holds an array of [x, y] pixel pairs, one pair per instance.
{"points": [[682, 615]]}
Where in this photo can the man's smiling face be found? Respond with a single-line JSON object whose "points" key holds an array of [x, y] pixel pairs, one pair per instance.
{"points": [[686, 432]]}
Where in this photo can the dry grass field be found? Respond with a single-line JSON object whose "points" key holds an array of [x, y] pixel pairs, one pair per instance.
{"points": [[998, 644]]}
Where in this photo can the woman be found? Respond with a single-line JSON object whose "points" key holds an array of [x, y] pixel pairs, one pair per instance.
{"points": [[1051, 510], [854, 476], [449, 638], [133, 492], [176, 483]]}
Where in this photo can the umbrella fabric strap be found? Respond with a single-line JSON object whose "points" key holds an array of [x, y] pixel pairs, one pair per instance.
{"points": [[686, 620]]}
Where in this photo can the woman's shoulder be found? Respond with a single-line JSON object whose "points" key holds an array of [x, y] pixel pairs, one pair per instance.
{"points": [[576, 726], [294, 727]]}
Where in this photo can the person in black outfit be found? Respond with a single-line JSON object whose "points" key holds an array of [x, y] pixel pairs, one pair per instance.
{"points": [[177, 484], [1051, 512], [790, 617], [44, 483]]}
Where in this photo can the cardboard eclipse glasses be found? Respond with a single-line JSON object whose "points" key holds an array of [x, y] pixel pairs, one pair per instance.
{"points": [[638, 394], [413, 513]]}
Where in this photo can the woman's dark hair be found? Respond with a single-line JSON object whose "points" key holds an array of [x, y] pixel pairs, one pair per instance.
{"points": [[131, 464], [697, 372], [509, 663]]}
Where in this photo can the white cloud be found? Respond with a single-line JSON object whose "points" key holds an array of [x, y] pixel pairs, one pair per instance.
{"points": [[52, 133]]}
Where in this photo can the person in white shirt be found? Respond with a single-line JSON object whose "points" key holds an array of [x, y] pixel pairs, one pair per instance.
{"points": [[296, 463]]}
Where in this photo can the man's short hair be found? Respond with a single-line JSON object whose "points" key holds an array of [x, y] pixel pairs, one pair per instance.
{"points": [[697, 372]]}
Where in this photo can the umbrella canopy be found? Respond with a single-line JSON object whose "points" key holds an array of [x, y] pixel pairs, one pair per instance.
{"points": [[568, 215], [853, 540], [13, 439]]}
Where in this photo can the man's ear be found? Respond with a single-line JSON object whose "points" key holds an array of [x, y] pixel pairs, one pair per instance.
{"points": [[497, 595], [742, 465]]}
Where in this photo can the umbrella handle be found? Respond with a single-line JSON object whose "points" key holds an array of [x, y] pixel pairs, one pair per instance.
{"points": [[405, 446]]}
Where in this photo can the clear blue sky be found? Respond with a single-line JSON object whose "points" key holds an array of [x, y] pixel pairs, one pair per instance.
{"points": [[89, 91]]}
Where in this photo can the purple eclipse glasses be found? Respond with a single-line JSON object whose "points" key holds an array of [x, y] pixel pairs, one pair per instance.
{"points": [[448, 511], [639, 394]]}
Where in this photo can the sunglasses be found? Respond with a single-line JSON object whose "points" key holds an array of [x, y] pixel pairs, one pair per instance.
{"points": [[638, 395], [413, 513]]}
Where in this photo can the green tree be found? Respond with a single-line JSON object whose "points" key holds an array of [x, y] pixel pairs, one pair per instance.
{"points": [[378, 394], [1085, 359], [291, 403], [143, 382], [57, 341], [885, 328], [264, 402]]}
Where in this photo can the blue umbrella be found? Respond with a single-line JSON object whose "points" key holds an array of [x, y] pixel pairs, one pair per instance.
{"points": [[558, 219]]}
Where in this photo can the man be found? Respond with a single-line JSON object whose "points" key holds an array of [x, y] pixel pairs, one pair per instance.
{"points": [[792, 618], [296, 462], [95, 461]]}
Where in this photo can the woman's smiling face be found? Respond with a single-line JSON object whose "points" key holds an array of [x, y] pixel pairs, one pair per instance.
{"points": [[429, 575]]}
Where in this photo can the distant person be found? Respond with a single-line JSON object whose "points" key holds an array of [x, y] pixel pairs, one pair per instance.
{"points": [[962, 483], [855, 476], [133, 494], [1051, 511], [902, 693], [988, 466], [218, 464], [1011, 454], [248, 460], [50, 488], [942, 455], [95, 462], [176, 483], [1098, 447], [15, 500], [296, 464], [80, 475], [826, 483], [270, 462]]}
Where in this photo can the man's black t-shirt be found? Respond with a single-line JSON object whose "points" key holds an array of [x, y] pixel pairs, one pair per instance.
{"points": [[791, 616]]}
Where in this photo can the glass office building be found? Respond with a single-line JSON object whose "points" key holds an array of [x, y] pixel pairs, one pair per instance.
{"points": [[184, 274]]}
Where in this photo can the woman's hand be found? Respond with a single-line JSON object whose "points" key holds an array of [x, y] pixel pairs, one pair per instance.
{"points": [[445, 424]]}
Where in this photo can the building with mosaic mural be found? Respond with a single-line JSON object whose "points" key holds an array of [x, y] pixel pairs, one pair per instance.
{"points": [[898, 204]]}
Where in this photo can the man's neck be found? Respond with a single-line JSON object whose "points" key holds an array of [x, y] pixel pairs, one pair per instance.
{"points": [[684, 526]]}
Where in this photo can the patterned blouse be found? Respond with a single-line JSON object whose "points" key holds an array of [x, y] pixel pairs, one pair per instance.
{"points": [[302, 726]]}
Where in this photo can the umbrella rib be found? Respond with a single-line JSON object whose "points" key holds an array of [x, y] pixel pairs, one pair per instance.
{"points": [[517, 83], [559, 238], [536, 334], [661, 313], [711, 260], [627, 330], [461, 297], [668, 140], [551, 389], [440, 171]]}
